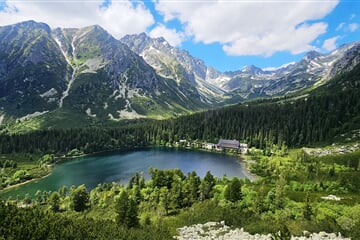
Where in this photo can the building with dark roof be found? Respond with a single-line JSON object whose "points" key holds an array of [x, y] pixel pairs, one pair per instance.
{"points": [[228, 144]]}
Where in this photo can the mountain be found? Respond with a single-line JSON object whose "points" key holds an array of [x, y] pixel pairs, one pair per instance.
{"points": [[71, 77], [248, 83], [313, 70], [84, 71], [32, 77], [177, 64]]}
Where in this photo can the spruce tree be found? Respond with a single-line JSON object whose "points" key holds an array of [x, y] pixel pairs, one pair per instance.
{"points": [[126, 211]]}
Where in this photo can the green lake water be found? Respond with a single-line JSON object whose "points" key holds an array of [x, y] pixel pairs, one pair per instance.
{"points": [[121, 166]]}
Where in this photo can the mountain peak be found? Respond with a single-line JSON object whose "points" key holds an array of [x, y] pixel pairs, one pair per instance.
{"points": [[312, 55], [140, 41], [161, 39], [95, 29], [140, 36], [251, 69], [31, 25]]}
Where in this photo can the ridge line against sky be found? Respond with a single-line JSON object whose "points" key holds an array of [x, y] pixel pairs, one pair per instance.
{"points": [[227, 35]]}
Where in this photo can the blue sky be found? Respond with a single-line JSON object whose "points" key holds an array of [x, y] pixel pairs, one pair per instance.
{"points": [[227, 34]]}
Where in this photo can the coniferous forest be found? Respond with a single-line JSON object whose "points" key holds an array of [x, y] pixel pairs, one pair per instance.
{"points": [[316, 118], [286, 197]]}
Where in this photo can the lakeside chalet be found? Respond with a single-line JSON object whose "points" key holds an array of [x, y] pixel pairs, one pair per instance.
{"points": [[232, 144], [223, 144], [228, 144]]}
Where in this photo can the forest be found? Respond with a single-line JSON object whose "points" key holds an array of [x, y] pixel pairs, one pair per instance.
{"points": [[313, 119], [305, 122], [287, 197]]}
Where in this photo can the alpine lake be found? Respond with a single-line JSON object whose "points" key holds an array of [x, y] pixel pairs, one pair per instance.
{"points": [[119, 166]]}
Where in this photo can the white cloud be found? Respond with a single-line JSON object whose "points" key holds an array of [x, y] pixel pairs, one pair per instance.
{"points": [[171, 35], [118, 18], [340, 26], [294, 40], [251, 28], [353, 27], [330, 44]]}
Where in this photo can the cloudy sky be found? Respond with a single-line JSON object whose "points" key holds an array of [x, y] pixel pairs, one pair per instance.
{"points": [[227, 34]]}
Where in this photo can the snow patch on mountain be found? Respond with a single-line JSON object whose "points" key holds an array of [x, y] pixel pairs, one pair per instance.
{"points": [[280, 67]]}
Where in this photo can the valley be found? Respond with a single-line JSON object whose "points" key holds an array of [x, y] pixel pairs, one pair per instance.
{"points": [[68, 92], [97, 78]]}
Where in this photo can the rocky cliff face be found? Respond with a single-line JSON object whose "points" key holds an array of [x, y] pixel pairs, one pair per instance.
{"points": [[349, 58], [177, 65]]}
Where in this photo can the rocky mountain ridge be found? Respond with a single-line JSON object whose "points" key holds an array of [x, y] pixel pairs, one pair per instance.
{"points": [[84, 70], [176, 64], [250, 82], [89, 72], [313, 69]]}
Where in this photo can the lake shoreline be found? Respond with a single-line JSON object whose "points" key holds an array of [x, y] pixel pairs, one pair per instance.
{"points": [[246, 171], [242, 160], [59, 159], [9, 188]]}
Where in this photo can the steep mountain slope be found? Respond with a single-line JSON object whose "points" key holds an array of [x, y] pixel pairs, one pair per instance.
{"points": [[86, 71], [32, 69], [177, 64]]}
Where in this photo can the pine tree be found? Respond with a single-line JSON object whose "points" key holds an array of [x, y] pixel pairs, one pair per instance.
{"points": [[207, 186], [233, 190], [126, 211], [259, 206], [307, 210], [164, 200], [80, 198], [122, 208], [54, 201], [279, 200]]}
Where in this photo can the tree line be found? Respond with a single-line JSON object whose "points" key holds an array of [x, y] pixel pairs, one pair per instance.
{"points": [[302, 122], [316, 118]]}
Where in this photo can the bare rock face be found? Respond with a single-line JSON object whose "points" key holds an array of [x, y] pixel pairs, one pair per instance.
{"points": [[350, 58], [178, 65]]}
